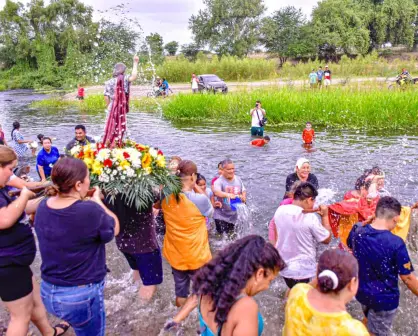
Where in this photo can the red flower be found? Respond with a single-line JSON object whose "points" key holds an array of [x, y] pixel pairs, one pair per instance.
{"points": [[126, 155], [140, 148], [160, 152], [100, 146], [108, 163], [81, 155]]}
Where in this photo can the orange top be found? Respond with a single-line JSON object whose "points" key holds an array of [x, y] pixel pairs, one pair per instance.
{"points": [[258, 142], [308, 136], [186, 242]]}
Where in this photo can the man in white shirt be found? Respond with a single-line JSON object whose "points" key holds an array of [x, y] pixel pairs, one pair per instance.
{"points": [[299, 234], [195, 83], [257, 116]]}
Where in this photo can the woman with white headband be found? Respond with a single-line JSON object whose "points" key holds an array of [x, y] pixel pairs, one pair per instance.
{"points": [[321, 310], [302, 173]]}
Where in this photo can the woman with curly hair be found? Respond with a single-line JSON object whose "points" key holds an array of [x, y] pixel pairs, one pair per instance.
{"points": [[225, 287]]}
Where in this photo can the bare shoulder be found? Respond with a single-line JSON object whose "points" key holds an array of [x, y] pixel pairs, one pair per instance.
{"points": [[246, 306]]}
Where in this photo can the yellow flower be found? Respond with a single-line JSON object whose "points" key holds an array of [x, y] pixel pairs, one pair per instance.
{"points": [[148, 170], [97, 168], [160, 161], [124, 164], [88, 162], [146, 160]]}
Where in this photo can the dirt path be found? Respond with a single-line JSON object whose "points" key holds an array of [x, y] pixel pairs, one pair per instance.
{"points": [[142, 90]]}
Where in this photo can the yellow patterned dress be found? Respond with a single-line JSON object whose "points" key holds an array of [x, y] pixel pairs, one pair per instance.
{"points": [[304, 320]]}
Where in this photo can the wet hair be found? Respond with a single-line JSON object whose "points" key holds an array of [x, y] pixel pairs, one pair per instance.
{"points": [[266, 137], [220, 164], [200, 177], [226, 162], [226, 275], [295, 185], [304, 191], [388, 207], [40, 136], [16, 125], [342, 263], [308, 123], [82, 127], [186, 168], [361, 181], [7, 156], [46, 138], [119, 69], [67, 172]]}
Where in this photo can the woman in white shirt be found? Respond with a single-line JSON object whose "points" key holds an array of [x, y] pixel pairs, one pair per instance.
{"points": [[257, 115]]}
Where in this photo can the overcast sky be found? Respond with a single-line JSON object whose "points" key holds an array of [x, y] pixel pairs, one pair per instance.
{"points": [[170, 17]]}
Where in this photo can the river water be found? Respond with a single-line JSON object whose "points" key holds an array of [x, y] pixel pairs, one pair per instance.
{"points": [[340, 157]]}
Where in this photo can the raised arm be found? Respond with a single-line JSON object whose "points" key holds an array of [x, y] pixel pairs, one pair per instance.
{"points": [[134, 74]]}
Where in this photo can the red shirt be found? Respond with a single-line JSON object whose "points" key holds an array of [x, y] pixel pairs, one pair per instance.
{"points": [[258, 142], [308, 135], [80, 92]]}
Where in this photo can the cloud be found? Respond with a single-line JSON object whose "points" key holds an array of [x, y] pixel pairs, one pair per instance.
{"points": [[170, 18]]}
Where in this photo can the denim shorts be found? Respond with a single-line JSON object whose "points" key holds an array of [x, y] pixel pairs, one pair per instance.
{"points": [[379, 323], [81, 306], [149, 266], [257, 131]]}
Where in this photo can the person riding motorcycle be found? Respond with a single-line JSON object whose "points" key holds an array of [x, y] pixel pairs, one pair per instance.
{"points": [[404, 77]]}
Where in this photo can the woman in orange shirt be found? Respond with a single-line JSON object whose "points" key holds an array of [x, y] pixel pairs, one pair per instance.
{"points": [[308, 134]]}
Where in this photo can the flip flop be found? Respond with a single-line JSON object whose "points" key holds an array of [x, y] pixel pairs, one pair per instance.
{"points": [[63, 326]]}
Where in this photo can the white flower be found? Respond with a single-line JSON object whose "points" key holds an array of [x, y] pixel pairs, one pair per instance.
{"points": [[115, 172], [119, 168], [75, 150], [123, 177], [153, 152], [103, 154]]}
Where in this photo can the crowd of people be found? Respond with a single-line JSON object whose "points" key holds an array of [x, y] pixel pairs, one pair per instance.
{"points": [[74, 222]]}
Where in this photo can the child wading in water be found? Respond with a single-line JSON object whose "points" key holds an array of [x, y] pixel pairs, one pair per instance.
{"points": [[261, 142], [308, 134], [201, 182]]}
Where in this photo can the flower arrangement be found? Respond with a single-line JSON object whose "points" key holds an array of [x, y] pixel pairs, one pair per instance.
{"points": [[136, 172]]}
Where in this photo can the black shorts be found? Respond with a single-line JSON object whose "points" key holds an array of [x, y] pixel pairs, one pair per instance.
{"points": [[80, 97], [15, 282], [224, 227], [182, 280], [293, 282]]}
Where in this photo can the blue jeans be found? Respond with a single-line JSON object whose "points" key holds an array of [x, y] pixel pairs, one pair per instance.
{"points": [[81, 306]]}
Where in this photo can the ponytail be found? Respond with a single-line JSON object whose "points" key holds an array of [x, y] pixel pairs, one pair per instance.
{"points": [[16, 126]]}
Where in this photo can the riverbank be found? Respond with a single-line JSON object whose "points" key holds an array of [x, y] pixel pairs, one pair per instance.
{"points": [[351, 108]]}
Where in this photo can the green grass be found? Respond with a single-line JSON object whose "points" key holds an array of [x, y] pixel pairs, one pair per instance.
{"points": [[366, 106], [336, 107]]}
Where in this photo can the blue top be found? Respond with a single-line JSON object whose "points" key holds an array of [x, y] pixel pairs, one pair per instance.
{"points": [[205, 331], [72, 242], [17, 244], [47, 160], [320, 74], [382, 257]]}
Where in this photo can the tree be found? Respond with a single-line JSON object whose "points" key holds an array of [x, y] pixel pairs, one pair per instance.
{"points": [[286, 34], [341, 27], [228, 26], [190, 51], [172, 47]]}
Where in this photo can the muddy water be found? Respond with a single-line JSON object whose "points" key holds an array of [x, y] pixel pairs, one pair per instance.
{"points": [[340, 157]]}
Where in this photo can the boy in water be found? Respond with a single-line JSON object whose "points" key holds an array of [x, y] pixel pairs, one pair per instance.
{"points": [[308, 134], [313, 79], [320, 74], [261, 142], [383, 258]]}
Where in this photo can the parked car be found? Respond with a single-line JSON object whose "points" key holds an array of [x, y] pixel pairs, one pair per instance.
{"points": [[212, 83]]}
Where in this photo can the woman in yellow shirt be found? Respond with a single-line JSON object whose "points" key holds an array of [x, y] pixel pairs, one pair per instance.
{"points": [[317, 311]]}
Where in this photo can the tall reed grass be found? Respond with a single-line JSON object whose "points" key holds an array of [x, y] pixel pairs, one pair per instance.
{"points": [[335, 107]]}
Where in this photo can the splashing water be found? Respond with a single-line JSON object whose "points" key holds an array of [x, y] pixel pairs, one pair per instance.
{"points": [[244, 225]]}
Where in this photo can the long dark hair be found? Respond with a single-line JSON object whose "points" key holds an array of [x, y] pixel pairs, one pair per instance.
{"points": [[226, 275], [16, 125]]}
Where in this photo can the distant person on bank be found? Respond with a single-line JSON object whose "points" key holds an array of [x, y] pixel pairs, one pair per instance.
{"points": [[320, 75], [195, 83], [257, 116], [327, 76], [80, 92], [313, 79]]}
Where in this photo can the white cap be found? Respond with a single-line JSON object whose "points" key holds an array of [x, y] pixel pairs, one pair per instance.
{"points": [[301, 162]]}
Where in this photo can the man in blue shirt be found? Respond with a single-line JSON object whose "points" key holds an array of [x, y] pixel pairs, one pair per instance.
{"points": [[382, 257], [320, 74]]}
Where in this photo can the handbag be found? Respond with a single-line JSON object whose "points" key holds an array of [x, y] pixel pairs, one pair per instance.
{"points": [[262, 122]]}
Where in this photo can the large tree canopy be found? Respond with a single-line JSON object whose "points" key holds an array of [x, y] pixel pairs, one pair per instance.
{"points": [[228, 27]]}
